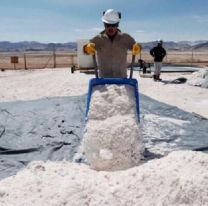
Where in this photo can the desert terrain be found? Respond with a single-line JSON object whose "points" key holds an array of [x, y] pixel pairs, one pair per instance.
{"points": [[61, 59]]}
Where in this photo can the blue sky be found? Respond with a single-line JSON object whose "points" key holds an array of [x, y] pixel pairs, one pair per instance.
{"points": [[69, 20]]}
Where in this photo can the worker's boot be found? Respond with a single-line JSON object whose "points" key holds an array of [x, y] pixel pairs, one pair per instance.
{"points": [[158, 78], [155, 77]]}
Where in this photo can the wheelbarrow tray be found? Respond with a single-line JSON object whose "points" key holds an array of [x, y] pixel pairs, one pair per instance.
{"points": [[119, 81]]}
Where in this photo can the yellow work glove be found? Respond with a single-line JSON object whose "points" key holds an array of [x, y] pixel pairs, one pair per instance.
{"points": [[89, 48], [136, 49]]}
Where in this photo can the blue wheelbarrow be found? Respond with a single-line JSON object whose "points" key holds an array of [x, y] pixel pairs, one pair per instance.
{"points": [[119, 81]]}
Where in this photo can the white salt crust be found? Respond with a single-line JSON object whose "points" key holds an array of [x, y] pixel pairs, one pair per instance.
{"points": [[112, 140], [179, 179], [199, 78]]}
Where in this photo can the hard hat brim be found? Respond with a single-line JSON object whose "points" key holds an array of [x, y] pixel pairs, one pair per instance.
{"points": [[109, 21]]}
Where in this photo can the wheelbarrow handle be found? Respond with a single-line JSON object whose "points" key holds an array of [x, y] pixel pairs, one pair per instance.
{"points": [[132, 66], [95, 65]]}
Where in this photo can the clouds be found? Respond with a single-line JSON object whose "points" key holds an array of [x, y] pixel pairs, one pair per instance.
{"points": [[140, 31], [90, 31], [145, 20], [200, 18], [77, 2], [88, 4]]}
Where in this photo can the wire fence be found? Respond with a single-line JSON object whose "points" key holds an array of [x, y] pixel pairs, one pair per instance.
{"points": [[41, 60], [37, 60], [189, 58]]}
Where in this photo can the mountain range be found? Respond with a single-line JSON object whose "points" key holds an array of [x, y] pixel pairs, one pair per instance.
{"points": [[6, 46], [181, 45]]}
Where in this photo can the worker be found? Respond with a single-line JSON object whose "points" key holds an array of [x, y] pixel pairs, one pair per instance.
{"points": [[158, 53], [144, 66], [111, 46]]}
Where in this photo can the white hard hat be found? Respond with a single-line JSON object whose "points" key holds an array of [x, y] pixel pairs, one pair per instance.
{"points": [[111, 16], [160, 41]]}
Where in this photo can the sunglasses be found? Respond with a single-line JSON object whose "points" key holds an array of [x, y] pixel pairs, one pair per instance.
{"points": [[111, 25]]}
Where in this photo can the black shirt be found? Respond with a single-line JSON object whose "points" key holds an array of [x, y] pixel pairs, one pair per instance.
{"points": [[158, 53]]}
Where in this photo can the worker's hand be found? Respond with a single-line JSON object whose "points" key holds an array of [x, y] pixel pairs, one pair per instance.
{"points": [[89, 48], [136, 49]]}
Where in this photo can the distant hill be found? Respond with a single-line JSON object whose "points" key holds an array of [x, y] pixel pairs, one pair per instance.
{"points": [[6, 46], [203, 46], [180, 46], [168, 45]]}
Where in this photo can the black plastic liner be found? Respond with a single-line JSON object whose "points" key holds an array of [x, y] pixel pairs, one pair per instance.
{"points": [[52, 129], [47, 129]]}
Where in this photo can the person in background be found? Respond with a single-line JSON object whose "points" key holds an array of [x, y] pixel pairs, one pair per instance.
{"points": [[111, 46], [145, 67], [158, 53]]}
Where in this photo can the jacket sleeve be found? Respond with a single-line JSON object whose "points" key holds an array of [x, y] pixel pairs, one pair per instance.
{"points": [[129, 41], [152, 52], [164, 52], [96, 41]]}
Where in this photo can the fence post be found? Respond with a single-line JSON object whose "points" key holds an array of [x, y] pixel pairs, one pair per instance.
{"points": [[192, 56], [166, 58], [54, 56], [25, 62]]}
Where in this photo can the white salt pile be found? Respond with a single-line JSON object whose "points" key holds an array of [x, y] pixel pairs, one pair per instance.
{"points": [[179, 179], [112, 140], [199, 78]]}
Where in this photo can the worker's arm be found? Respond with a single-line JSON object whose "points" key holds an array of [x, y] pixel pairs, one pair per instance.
{"points": [[164, 52], [89, 48], [136, 49], [152, 52]]}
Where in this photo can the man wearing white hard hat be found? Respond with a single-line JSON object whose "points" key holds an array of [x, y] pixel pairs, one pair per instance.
{"points": [[158, 53], [111, 46]]}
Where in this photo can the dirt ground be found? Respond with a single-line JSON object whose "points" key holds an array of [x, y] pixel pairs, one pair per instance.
{"points": [[43, 59]]}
